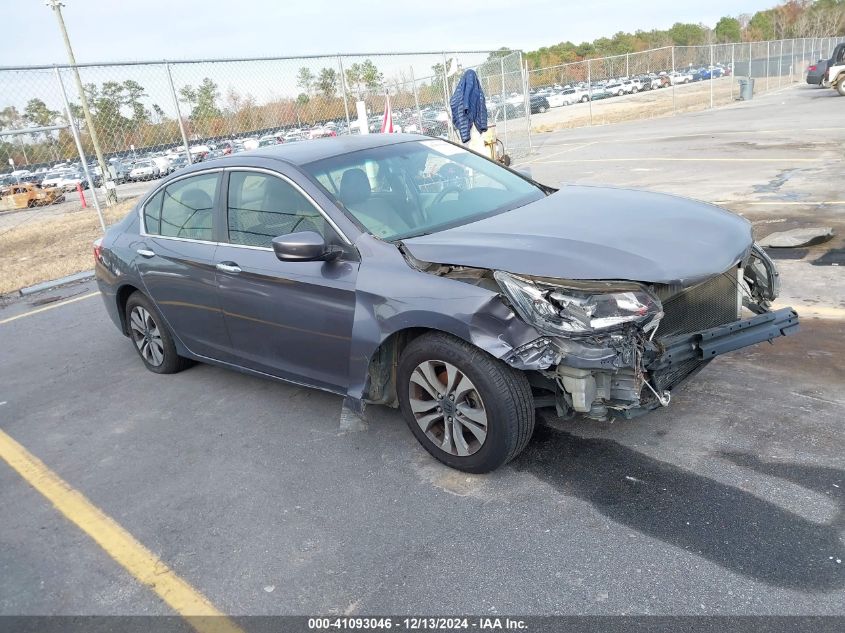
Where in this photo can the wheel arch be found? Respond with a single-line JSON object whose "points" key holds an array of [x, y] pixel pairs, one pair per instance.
{"points": [[495, 331], [121, 297]]}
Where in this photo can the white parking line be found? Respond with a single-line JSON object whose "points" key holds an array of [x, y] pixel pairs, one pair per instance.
{"points": [[58, 304]]}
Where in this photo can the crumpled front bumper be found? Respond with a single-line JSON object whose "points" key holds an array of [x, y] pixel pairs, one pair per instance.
{"points": [[707, 344]]}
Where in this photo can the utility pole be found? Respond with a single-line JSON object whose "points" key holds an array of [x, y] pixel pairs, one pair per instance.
{"points": [[111, 194]]}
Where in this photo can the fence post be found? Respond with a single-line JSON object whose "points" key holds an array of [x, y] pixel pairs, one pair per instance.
{"points": [[416, 100], [780, 62], [768, 56], [590, 89], [504, 100], [343, 91], [750, 58], [711, 76], [674, 81], [178, 112], [733, 70], [526, 88], [446, 97], [627, 66], [803, 55], [81, 151]]}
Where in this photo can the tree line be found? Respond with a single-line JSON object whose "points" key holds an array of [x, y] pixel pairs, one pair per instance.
{"points": [[791, 19]]}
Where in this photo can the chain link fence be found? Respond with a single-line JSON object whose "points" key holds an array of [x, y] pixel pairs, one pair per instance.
{"points": [[669, 80], [148, 119]]}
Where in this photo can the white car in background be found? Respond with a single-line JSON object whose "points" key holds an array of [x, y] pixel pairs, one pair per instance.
{"points": [[680, 77], [71, 180], [578, 95], [164, 165], [144, 170], [558, 99], [54, 178]]}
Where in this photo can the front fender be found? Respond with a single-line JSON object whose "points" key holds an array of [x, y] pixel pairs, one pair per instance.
{"points": [[392, 296]]}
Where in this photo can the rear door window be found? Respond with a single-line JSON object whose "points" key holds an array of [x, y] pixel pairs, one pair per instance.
{"points": [[184, 209]]}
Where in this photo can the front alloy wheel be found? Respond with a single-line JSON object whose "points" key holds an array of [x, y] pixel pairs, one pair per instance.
{"points": [[468, 409], [448, 408]]}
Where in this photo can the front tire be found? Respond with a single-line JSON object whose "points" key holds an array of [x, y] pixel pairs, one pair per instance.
{"points": [[151, 337], [840, 86], [469, 410]]}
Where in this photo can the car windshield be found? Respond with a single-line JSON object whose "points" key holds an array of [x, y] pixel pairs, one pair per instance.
{"points": [[420, 187]]}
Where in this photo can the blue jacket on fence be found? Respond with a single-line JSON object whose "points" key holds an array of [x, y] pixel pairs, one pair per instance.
{"points": [[468, 105]]}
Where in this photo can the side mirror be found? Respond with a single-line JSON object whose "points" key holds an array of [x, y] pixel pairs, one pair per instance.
{"points": [[303, 246]]}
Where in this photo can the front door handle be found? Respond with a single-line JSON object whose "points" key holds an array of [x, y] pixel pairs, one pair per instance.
{"points": [[145, 252], [228, 267]]}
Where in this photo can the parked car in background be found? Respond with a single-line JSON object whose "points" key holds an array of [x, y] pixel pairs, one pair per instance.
{"points": [[539, 104], [558, 99], [163, 164], [467, 304], [615, 89], [178, 162], [816, 73], [581, 95], [24, 195], [54, 178], [835, 73], [144, 170], [71, 180], [634, 85], [705, 74], [681, 77]]}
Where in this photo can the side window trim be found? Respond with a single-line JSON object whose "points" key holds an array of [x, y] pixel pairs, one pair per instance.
{"points": [[260, 170], [143, 225]]}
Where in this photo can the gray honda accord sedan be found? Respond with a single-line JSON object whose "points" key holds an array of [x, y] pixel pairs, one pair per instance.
{"points": [[406, 271]]}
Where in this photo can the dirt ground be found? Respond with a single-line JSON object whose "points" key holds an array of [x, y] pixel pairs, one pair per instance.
{"points": [[40, 249]]}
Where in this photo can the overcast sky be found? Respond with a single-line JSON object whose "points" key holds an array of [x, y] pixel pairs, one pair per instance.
{"points": [[112, 30]]}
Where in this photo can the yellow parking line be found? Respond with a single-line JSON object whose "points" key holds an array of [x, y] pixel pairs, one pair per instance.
{"points": [[821, 312], [58, 304], [145, 566]]}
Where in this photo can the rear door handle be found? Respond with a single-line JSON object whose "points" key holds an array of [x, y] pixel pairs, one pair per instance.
{"points": [[228, 267], [145, 252]]}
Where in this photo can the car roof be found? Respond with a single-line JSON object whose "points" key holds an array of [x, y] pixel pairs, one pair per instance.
{"points": [[318, 149]]}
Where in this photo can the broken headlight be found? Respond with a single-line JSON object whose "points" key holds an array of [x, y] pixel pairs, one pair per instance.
{"points": [[762, 276], [559, 309]]}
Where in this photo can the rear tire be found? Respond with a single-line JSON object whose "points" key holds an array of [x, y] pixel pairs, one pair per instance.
{"points": [[151, 338], [492, 410], [840, 87]]}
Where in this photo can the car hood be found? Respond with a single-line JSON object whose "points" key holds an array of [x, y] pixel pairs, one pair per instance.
{"points": [[585, 232]]}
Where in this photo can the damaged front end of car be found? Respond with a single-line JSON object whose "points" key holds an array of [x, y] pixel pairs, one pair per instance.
{"points": [[612, 348]]}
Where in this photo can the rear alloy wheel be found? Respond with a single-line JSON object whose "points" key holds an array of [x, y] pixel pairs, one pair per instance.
{"points": [[469, 410], [151, 338]]}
